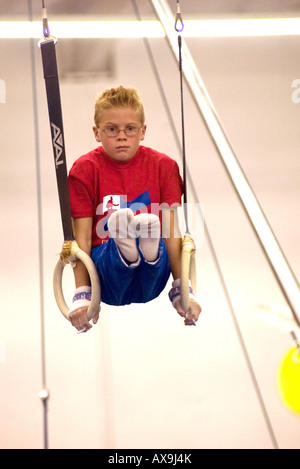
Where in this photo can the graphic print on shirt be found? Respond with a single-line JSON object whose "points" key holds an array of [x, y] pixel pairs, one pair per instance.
{"points": [[113, 202]]}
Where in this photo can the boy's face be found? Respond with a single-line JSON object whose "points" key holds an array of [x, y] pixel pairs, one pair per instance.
{"points": [[116, 144]]}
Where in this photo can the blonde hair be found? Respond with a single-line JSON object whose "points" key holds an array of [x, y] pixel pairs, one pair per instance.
{"points": [[116, 98]]}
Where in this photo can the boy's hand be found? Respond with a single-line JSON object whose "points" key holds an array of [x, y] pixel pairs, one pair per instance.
{"points": [[78, 311], [79, 319], [192, 314]]}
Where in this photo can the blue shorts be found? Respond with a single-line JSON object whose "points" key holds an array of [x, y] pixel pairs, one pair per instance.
{"points": [[122, 284]]}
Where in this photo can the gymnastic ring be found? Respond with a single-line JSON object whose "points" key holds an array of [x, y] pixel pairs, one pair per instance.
{"points": [[74, 253], [188, 271]]}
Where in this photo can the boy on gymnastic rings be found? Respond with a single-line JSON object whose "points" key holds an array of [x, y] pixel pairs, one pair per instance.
{"points": [[124, 199]]}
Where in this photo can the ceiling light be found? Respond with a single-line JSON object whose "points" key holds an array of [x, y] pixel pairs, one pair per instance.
{"points": [[136, 29]]}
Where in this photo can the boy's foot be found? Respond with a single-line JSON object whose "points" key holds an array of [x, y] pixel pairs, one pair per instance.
{"points": [[122, 229], [147, 227]]}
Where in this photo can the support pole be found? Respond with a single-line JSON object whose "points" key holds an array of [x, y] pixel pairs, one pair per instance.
{"points": [[274, 254], [44, 393]]}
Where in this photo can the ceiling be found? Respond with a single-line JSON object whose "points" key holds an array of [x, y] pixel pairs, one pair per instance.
{"points": [[104, 9], [78, 58]]}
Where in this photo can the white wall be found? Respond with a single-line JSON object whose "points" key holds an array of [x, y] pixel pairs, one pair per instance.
{"points": [[140, 379]]}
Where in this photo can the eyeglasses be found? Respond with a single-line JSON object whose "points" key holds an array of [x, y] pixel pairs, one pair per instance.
{"points": [[113, 131]]}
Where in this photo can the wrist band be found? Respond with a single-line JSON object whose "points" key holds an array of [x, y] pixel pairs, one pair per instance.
{"points": [[84, 295], [176, 291], [82, 298]]}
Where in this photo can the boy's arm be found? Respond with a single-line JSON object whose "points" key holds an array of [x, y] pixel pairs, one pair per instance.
{"points": [[173, 240], [82, 228]]}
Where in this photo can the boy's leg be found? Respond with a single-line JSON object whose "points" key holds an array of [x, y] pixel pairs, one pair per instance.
{"points": [[153, 276], [134, 281], [121, 228], [116, 276], [122, 284], [147, 227]]}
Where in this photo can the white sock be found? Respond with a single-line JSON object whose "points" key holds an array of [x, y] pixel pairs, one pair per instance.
{"points": [[147, 228], [122, 228]]}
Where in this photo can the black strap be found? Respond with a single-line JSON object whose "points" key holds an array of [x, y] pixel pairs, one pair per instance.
{"points": [[57, 134]]}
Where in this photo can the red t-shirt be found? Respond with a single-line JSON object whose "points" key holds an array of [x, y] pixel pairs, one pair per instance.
{"points": [[99, 185]]}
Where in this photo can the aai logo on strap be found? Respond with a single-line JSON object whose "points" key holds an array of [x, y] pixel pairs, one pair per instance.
{"points": [[57, 140]]}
